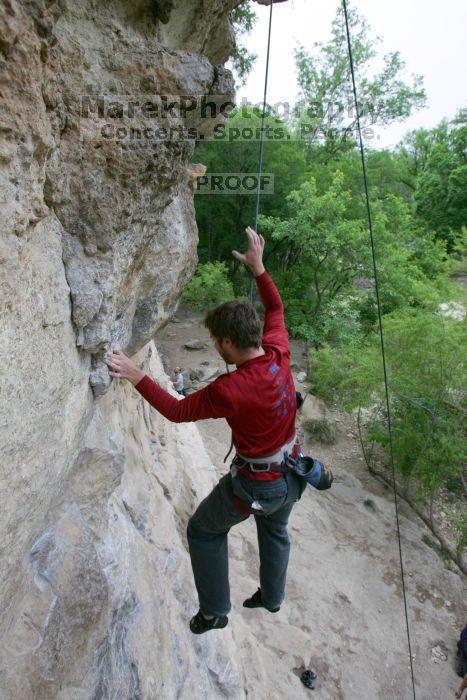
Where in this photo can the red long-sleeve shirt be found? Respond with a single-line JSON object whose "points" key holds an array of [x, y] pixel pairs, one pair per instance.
{"points": [[257, 399]]}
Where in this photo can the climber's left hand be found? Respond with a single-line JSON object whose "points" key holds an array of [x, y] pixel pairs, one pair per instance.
{"points": [[121, 367]]}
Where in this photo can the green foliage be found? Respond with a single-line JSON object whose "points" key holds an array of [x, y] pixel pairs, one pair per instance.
{"points": [[325, 263], [459, 523], [442, 553], [458, 259], [409, 261], [411, 264], [243, 19], [436, 162], [426, 371], [369, 503], [323, 250], [320, 430], [325, 82], [341, 322], [209, 286], [222, 218]]}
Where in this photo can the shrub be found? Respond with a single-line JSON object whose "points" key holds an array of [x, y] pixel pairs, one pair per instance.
{"points": [[210, 286], [321, 431], [426, 373]]}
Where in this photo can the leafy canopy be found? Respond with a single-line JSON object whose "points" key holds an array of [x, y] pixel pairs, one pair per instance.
{"points": [[243, 19], [325, 82], [209, 286], [427, 379], [222, 218], [323, 251]]}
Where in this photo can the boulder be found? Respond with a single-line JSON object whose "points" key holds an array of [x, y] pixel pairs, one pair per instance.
{"points": [[195, 345]]}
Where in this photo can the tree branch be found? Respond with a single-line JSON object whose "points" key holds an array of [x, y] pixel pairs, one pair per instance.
{"points": [[445, 545]]}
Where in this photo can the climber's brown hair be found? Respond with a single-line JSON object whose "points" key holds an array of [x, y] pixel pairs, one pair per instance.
{"points": [[236, 320]]}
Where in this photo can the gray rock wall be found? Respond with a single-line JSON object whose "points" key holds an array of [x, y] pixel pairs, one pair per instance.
{"points": [[104, 590], [97, 239]]}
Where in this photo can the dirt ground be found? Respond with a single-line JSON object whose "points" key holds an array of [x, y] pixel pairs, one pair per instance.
{"points": [[344, 614]]}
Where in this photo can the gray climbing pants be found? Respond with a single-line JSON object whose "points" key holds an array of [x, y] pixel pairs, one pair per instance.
{"points": [[209, 526]]}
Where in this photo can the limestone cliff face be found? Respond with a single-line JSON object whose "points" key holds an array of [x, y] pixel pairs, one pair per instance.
{"points": [[97, 238]]}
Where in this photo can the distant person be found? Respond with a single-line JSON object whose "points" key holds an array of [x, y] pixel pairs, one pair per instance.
{"points": [[178, 382], [462, 661]]}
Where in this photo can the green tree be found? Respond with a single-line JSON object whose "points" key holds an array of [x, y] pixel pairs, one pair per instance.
{"points": [[411, 266], [325, 265], [243, 19], [326, 90], [209, 286], [222, 218], [436, 165], [426, 373], [385, 170], [323, 251]]}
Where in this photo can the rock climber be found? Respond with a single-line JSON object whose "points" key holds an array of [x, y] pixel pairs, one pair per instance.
{"points": [[258, 401]]}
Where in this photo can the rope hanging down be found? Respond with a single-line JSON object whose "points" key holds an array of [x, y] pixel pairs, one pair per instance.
{"points": [[381, 336], [263, 119], [261, 139]]}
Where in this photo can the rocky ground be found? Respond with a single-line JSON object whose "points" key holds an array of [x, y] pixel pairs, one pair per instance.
{"points": [[344, 613]]}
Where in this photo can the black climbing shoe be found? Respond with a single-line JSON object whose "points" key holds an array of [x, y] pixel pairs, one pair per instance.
{"points": [[200, 624], [256, 602], [307, 679]]}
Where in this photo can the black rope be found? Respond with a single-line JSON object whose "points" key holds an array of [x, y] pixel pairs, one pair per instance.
{"points": [[261, 140], [380, 323], [263, 118], [260, 165]]}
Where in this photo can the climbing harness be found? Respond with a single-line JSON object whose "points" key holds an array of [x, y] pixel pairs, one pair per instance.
{"points": [[267, 463], [288, 459], [310, 470]]}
